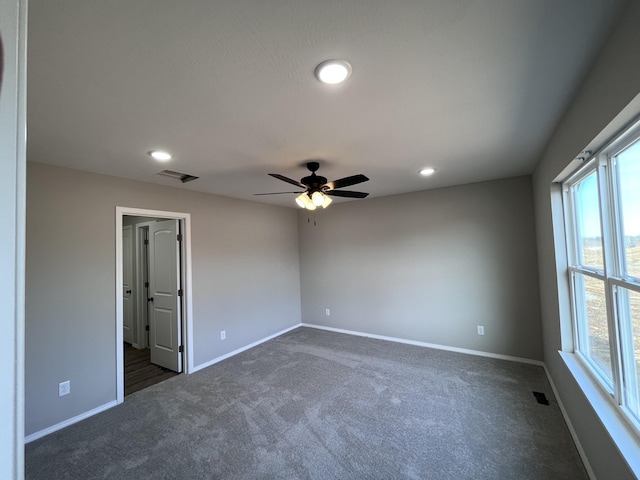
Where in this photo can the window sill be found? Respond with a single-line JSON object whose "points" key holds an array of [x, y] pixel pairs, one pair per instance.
{"points": [[622, 433]]}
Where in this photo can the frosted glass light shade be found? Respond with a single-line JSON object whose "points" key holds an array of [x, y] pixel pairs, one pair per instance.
{"points": [[300, 200], [305, 202], [317, 198]]}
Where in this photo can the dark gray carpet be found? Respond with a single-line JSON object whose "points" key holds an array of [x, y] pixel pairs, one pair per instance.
{"points": [[319, 405]]}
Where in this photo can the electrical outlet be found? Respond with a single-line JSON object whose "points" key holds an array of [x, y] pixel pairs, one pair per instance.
{"points": [[223, 334], [327, 312], [64, 388], [480, 330]]}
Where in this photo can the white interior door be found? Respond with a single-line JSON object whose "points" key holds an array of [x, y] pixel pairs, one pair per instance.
{"points": [[164, 311], [127, 283]]}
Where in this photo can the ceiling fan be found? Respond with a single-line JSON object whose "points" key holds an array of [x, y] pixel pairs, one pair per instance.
{"points": [[317, 191]]}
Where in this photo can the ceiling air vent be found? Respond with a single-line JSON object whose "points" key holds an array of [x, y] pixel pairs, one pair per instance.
{"points": [[183, 177]]}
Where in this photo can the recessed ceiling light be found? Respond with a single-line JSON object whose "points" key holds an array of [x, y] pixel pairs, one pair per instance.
{"points": [[427, 171], [333, 71], [160, 155]]}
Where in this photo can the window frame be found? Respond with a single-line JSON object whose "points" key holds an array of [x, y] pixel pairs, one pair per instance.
{"points": [[613, 275]]}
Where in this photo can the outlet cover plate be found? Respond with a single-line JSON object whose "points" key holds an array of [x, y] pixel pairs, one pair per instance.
{"points": [[64, 388]]}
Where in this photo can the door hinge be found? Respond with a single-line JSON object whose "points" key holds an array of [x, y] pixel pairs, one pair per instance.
{"points": [[179, 237], [146, 241], [180, 349], [146, 284], [180, 292], [146, 327]]}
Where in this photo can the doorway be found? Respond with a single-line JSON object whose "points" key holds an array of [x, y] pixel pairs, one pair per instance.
{"points": [[151, 310], [153, 300]]}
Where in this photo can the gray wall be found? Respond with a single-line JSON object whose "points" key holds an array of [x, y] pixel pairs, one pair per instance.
{"points": [[613, 82], [245, 281], [429, 266]]}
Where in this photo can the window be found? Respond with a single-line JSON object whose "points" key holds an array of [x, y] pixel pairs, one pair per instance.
{"points": [[602, 215]]}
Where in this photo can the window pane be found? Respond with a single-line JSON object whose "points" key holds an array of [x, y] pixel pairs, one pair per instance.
{"points": [[629, 181], [588, 235], [629, 311], [593, 332]]}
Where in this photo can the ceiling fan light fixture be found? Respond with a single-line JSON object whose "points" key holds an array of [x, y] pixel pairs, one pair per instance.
{"points": [[333, 71], [317, 190]]}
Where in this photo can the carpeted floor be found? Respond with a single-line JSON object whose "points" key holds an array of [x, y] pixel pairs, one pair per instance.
{"points": [[312, 404]]}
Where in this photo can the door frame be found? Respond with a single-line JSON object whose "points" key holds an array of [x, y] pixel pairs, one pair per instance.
{"points": [[13, 188], [131, 279], [141, 294], [187, 316]]}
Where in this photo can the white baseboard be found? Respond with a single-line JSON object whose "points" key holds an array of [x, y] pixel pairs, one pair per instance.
{"points": [[106, 406], [428, 345], [70, 421], [242, 349], [574, 435], [619, 428], [61, 425]]}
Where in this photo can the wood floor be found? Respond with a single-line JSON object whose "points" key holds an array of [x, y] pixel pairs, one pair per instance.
{"points": [[139, 372]]}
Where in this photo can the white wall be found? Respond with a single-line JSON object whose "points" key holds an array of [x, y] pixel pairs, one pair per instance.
{"points": [[245, 281], [612, 83], [12, 189], [429, 266]]}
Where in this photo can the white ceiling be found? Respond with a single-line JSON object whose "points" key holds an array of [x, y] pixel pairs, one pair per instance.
{"points": [[472, 88]]}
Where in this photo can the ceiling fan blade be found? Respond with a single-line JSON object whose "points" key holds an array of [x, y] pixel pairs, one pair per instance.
{"points": [[347, 181], [275, 193], [346, 193], [288, 180]]}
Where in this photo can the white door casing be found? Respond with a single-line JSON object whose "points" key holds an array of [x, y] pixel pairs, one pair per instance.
{"points": [[13, 88], [127, 284], [142, 322], [187, 312], [164, 306]]}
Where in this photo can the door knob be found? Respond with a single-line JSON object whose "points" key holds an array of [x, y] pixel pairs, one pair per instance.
{"points": [[128, 291]]}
